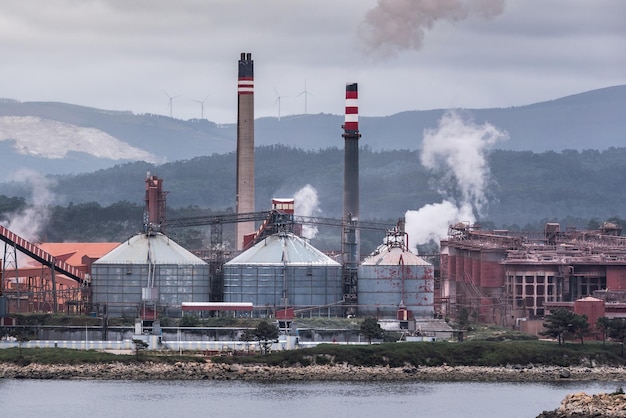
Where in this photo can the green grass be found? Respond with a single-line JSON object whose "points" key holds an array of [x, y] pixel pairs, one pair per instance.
{"points": [[67, 356], [469, 353], [494, 333], [483, 346]]}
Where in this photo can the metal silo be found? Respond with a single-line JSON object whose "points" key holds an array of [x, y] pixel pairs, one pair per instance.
{"points": [[395, 283], [147, 274], [283, 271]]}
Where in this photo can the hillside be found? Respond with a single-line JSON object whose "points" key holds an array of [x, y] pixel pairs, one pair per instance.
{"points": [[525, 189], [58, 138]]}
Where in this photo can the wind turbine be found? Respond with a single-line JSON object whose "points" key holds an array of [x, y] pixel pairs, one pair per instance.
{"points": [[306, 94], [201, 105], [169, 103], [278, 98]]}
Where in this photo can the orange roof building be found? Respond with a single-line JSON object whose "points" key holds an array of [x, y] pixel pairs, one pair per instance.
{"points": [[31, 287]]}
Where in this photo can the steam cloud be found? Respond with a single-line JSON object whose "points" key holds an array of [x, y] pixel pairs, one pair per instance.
{"points": [[397, 25], [456, 152], [29, 222], [307, 204]]}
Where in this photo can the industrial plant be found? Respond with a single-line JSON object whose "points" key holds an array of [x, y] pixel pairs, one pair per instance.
{"points": [[498, 277]]}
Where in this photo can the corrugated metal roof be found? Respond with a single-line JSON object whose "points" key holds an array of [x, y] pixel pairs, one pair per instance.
{"points": [[394, 256], [142, 248], [283, 249], [73, 252]]}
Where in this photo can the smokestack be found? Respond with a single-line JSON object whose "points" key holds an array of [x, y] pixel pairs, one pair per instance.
{"points": [[351, 157], [245, 146], [351, 250]]}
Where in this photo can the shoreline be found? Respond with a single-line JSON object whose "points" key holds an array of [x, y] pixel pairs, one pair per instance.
{"points": [[217, 371]]}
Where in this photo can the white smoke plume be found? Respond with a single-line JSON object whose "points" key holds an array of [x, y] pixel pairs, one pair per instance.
{"points": [[29, 222], [397, 25], [307, 204], [456, 153]]}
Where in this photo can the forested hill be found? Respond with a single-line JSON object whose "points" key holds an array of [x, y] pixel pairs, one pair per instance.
{"points": [[525, 187]]}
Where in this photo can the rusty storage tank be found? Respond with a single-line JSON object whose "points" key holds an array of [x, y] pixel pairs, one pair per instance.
{"points": [[285, 271], [393, 281], [147, 275]]}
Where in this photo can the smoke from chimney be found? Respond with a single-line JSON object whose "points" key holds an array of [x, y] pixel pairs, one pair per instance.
{"points": [[307, 204], [456, 153], [29, 222], [397, 25]]}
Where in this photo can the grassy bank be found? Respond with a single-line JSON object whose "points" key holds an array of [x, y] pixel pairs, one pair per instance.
{"points": [[67, 356], [469, 353]]}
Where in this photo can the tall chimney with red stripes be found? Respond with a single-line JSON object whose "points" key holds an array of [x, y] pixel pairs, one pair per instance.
{"points": [[351, 250], [245, 146]]}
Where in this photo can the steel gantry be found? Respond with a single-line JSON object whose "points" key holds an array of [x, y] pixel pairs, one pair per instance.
{"points": [[275, 221]]}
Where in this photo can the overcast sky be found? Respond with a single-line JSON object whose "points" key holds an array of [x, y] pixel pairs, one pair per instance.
{"points": [[405, 54]]}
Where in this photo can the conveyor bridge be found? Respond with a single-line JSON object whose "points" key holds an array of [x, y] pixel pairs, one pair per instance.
{"points": [[31, 250]]}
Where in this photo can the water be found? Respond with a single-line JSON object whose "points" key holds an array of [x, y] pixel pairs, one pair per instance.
{"points": [[95, 399]]}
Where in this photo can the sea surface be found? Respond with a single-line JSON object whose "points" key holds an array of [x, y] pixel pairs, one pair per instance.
{"points": [[137, 399]]}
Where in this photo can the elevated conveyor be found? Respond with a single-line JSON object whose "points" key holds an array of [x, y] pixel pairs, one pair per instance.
{"points": [[41, 256]]}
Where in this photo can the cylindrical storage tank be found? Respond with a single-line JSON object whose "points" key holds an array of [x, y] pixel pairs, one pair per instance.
{"points": [[148, 273], [592, 307], [392, 278], [285, 271]]}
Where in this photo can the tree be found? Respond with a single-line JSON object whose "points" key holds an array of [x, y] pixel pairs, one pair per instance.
{"points": [[21, 339], [579, 327], [617, 331], [562, 322], [247, 336], [462, 318], [603, 325], [370, 328], [266, 334], [140, 345]]}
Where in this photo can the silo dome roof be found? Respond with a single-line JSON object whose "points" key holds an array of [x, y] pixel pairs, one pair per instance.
{"points": [[393, 256], [142, 249], [282, 249]]}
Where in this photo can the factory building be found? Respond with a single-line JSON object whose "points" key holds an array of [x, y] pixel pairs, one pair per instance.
{"points": [[394, 282], [33, 286], [498, 276], [503, 277], [284, 272]]}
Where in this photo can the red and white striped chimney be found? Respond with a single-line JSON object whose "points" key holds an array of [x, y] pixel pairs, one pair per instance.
{"points": [[352, 108], [351, 245], [351, 156]]}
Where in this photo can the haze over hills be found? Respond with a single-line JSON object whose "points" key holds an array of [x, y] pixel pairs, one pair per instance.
{"points": [[58, 138]]}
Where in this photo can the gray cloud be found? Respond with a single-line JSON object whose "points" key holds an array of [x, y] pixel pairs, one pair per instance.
{"points": [[121, 55], [396, 25]]}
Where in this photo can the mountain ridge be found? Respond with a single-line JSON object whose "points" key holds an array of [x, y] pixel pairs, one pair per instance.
{"points": [[594, 119]]}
